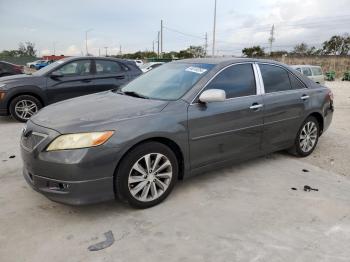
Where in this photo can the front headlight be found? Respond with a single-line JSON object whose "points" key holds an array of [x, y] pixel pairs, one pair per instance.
{"points": [[79, 140]]}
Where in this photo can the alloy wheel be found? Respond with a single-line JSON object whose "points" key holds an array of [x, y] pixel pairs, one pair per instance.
{"points": [[25, 109], [308, 136], [150, 177]]}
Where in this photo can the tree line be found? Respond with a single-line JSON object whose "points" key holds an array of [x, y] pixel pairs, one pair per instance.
{"points": [[24, 50], [336, 45]]}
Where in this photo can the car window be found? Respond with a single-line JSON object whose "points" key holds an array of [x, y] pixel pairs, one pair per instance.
{"points": [[236, 81], [298, 69], [80, 67], [107, 67], [275, 78], [317, 71], [307, 71], [295, 82]]}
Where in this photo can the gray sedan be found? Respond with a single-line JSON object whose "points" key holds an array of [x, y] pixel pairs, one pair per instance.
{"points": [[181, 119]]}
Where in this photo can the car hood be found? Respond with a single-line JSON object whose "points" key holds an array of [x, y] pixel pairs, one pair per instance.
{"points": [[95, 112], [19, 80]]}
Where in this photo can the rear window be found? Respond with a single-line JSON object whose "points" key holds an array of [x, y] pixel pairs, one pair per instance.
{"points": [[307, 71], [107, 67], [317, 71], [275, 78]]}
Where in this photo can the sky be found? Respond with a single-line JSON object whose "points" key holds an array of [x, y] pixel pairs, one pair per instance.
{"points": [[133, 25]]}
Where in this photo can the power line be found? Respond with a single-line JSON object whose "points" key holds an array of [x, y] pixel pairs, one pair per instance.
{"points": [[183, 33]]}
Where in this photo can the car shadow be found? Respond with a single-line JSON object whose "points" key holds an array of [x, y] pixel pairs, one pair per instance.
{"points": [[116, 206]]}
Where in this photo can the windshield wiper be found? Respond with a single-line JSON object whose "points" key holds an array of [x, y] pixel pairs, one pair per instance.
{"points": [[133, 93]]}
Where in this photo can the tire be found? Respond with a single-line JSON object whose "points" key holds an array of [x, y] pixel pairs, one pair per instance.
{"points": [[304, 149], [32, 66], [24, 106], [143, 189]]}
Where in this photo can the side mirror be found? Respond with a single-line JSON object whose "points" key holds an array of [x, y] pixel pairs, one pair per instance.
{"points": [[56, 74], [212, 95]]}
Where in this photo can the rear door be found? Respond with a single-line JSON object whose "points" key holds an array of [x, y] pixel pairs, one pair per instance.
{"points": [[219, 131], [76, 80], [109, 74], [284, 101]]}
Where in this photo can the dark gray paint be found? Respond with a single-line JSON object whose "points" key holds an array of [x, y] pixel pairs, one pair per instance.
{"points": [[208, 135]]}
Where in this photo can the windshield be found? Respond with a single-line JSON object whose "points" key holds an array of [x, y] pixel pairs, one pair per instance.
{"points": [[48, 68], [169, 81]]}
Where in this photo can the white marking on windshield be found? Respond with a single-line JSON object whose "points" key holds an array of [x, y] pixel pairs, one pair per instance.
{"points": [[196, 70]]}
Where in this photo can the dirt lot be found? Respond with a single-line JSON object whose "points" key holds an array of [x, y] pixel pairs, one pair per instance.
{"points": [[246, 212]]}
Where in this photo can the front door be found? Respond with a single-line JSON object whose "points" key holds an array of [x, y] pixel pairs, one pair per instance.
{"points": [[76, 80], [219, 131]]}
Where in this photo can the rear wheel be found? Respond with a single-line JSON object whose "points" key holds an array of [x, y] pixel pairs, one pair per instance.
{"points": [[146, 175], [307, 137], [24, 106]]}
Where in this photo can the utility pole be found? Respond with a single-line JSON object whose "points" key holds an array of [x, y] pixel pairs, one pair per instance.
{"points": [[272, 38], [214, 29], [86, 41], [106, 48], [99, 51], [158, 44], [206, 44], [120, 49], [161, 38], [54, 48]]}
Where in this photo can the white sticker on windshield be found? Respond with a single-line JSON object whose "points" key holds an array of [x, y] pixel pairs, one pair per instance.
{"points": [[195, 69]]}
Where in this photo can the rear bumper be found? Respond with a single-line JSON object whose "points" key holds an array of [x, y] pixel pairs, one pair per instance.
{"points": [[72, 192]]}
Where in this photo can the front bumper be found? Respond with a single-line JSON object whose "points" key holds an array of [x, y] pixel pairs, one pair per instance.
{"points": [[72, 192], [76, 177]]}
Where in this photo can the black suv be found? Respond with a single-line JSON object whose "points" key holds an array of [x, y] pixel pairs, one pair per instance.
{"points": [[23, 95]]}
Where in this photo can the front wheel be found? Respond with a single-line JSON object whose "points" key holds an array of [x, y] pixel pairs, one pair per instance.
{"points": [[146, 175], [24, 106], [307, 137]]}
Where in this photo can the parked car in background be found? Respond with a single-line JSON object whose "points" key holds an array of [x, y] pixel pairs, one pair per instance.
{"points": [[32, 64], [7, 69], [23, 95], [315, 73], [180, 119], [42, 64], [149, 66]]}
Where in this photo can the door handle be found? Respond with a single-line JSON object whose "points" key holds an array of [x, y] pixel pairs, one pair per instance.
{"points": [[304, 97], [120, 77], [256, 106], [86, 80]]}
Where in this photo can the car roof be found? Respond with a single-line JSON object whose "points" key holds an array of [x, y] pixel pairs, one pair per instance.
{"points": [[226, 61]]}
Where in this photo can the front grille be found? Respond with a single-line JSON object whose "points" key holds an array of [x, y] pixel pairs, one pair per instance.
{"points": [[32, 140]]}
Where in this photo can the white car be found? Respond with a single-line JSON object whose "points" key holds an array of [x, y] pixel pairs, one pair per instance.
{"points": [[315, 73], [32, 64], [149, 66]]}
